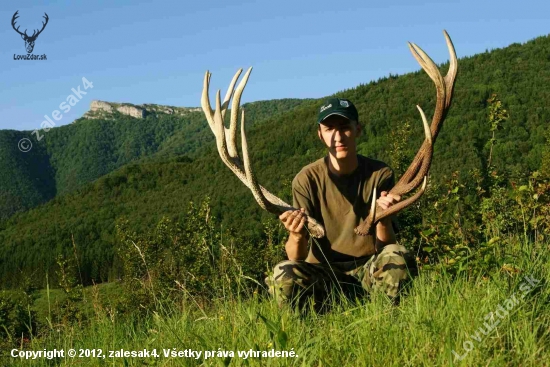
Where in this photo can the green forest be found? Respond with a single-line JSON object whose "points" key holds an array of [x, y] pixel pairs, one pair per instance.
{"points": [[85, 180], [68, 157]]}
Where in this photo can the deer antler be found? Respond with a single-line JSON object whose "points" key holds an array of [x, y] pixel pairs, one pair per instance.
{"points": [[35, 35], [227, 147], [418, 170], [13, 19]]}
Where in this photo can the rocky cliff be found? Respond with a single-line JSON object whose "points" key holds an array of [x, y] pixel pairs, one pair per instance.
{"points": [[102, 109]]}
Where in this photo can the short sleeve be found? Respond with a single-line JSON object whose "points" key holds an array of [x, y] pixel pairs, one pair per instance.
{"points": [[387, 180], [302, 195]]}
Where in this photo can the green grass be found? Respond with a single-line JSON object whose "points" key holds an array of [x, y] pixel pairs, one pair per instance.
{"points": [[49, 300], [438, 314]]}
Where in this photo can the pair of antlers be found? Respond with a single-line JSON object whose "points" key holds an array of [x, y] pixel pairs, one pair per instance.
{"points": [[24, 34], [409, 181]]}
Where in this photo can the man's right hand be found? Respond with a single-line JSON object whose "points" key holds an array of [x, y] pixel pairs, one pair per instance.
{"points": [[294, 221]]}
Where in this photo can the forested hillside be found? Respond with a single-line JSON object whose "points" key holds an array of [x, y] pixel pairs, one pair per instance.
{"points": [[70, 156], [179, 162]]}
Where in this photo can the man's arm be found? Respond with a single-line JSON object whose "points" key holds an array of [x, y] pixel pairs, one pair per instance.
{"points": [[294, 221], [385, 233], [296, 245], [384, 229]]}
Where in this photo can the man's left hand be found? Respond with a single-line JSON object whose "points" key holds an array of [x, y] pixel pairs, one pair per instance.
{"points": [[386, 200]]}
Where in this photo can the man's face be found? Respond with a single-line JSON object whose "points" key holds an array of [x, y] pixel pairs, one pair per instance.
{"points": [[339, 134]]}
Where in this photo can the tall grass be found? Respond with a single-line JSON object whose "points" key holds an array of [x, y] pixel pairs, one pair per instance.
{"points": [[438, 315]]}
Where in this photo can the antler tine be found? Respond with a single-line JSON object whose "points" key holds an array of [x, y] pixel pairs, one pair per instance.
{"points": [[427, 131], [453, 69], [232, 137], [205, 102], [221, 139], [431, 69], [221, 142], [373, 205], [444, 86], [229, 92], [407, 182], [254, 187]]}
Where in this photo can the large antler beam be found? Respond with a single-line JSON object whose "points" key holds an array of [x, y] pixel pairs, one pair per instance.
{"points": [[227, 147], [420, 166]]}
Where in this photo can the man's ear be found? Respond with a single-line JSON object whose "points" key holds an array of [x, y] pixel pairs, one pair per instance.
{"points": [[359, 129], [319, 134]]}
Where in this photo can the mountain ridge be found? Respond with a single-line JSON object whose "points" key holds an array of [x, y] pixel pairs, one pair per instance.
{"points": [[102, 109]]}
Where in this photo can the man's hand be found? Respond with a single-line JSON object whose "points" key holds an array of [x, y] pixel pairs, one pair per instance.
{"points": [[386, 200], [294, 221], [384, 230], [296, 245]]}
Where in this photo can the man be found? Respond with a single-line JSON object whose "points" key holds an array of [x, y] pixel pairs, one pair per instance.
{"points": [[337, 191]]}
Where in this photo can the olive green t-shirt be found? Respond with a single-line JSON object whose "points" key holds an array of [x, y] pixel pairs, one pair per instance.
{"points": [[339, 203]]}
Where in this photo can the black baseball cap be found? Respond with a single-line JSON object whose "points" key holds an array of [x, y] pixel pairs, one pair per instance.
{"points": [[338, 106]]}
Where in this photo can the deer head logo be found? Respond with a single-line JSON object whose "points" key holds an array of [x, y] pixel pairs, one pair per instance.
{"points": [[29, 40]]}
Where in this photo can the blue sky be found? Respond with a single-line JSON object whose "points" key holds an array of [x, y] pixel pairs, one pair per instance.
{"points": [[157, 52]]}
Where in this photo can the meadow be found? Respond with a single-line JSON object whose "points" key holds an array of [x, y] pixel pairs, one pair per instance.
{"points": [[500, 318]]}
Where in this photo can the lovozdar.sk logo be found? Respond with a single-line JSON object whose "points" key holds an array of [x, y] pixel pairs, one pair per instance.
{"points": [[29, 40]]}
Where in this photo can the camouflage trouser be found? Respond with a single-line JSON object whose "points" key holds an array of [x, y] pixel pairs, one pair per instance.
{"points": [[298, 281]]}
